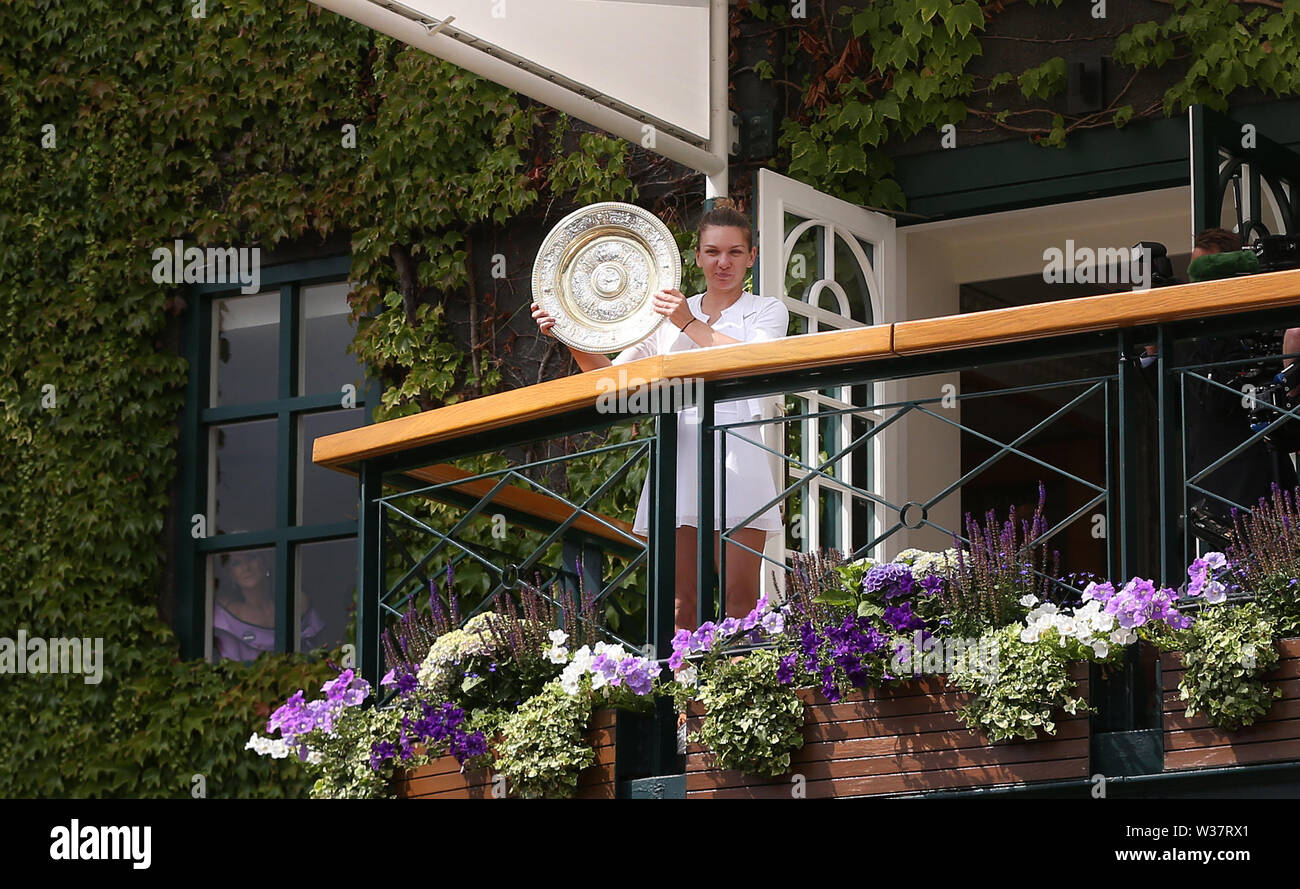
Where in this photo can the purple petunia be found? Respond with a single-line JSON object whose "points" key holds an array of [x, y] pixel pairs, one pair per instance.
{"points": [[785, 669], [1203, 578], [1138, 603], [710, 636], [902, 619]]}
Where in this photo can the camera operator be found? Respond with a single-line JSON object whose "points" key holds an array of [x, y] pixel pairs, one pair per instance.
{"points": [[1215, 419]]}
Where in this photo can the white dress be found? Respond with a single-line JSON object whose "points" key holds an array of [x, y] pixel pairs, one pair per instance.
{"points": [[750, 482]]}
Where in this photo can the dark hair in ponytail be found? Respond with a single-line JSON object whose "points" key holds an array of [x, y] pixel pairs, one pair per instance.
{"points": [[725, 214]]}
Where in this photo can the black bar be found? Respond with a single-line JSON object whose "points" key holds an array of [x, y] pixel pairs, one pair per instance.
{"points": [[369, 625], [663, 535], [706, 576], [1130, 557], [1171, 469]]}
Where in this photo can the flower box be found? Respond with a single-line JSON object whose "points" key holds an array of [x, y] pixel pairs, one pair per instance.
{"points": [[903, 738], [443, 779], [1195, 744]]}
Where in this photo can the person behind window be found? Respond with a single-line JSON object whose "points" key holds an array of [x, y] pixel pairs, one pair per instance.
{"points": [[243, 611], [724, 314]]}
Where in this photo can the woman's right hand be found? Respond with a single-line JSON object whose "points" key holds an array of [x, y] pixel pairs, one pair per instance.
{"points": [[544, 321], [586, 360]]}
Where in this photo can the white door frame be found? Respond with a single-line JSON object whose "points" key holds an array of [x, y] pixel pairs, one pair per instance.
{"points": [[777, 196]]}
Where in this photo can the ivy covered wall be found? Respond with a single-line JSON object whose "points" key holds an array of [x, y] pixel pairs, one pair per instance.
{"points": [[862, 82], [130, 124]]}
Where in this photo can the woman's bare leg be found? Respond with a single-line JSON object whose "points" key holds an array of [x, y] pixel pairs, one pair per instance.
{"points": [[684, 609], [743, 572], [744, 569]]}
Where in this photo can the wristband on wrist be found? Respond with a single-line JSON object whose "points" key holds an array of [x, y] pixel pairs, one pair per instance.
{"points": [[688, 324]]}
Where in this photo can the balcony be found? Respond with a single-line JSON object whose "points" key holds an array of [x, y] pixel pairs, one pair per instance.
{"points": [[881, 439]]}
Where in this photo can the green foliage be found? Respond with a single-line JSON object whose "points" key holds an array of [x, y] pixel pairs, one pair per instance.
{"points": [[345, 771], [1031, 683], [752, 721], [1045, 80], [423, 351], [889, 71], [1227, 651], [225, 130], [1230, 48], [543, 750]]}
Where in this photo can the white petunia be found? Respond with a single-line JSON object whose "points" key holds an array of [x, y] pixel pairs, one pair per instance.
{"points": [[571, 679], [1029, 600], [558, 637], [1215, 592], [582, 659], [611, 651]]}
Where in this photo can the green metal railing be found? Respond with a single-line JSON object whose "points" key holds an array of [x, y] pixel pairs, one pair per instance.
{"points": [[1139, 431]]}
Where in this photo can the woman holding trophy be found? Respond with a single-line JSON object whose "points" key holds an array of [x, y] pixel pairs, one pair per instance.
{"points": [[723, 314]]}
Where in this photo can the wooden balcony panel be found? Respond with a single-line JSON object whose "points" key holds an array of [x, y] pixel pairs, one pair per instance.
{"points": [[901, 738], [1192, 743]]}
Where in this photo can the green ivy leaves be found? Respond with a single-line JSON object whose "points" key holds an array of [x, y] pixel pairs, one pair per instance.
{"points": [[1032, 683], [919, 53], [752, 722], [1045, 80], [543, 750], [222, 130], [1226, 652]]}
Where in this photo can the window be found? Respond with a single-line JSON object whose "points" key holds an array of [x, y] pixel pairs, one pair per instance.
{"points": [[268, 550]]}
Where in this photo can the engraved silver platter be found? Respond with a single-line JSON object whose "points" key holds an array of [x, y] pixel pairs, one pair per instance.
{"points": [[596, 272]]}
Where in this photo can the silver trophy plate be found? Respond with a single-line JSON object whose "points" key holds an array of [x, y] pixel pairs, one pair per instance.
{"points": [[596, 272]]}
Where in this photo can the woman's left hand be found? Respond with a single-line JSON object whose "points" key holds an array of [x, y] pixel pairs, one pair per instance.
{"points": [[672, 305]]}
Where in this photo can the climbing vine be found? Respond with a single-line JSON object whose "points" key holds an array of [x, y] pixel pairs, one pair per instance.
{"points": [[129, 126], [860, 80]]}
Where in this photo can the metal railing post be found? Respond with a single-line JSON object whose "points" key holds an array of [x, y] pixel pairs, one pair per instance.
{"points": [[663, 534], [369, 625], [1130, 558], [1172, 489], [706, 575]]}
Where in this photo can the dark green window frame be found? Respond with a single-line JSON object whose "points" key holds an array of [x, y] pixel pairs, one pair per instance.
{"points": [[191, 576]]}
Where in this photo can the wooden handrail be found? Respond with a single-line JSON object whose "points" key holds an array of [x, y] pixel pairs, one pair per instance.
{"points": [[344, 450], [1110, 311]]}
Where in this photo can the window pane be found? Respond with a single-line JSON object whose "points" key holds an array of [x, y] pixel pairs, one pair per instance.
{"points": [[803, 267], [325, 495], [327, 585], [848, 271], [242, 476], [245, 348], [324, 338], [241, 590]]}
